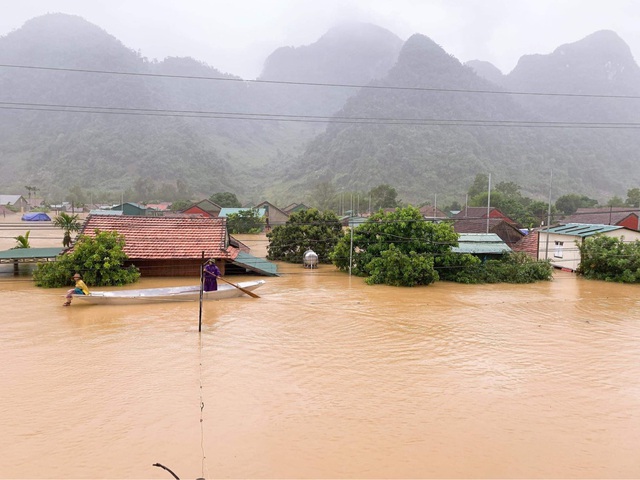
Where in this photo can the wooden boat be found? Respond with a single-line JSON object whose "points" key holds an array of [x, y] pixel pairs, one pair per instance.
{"points": [[189, 293]]}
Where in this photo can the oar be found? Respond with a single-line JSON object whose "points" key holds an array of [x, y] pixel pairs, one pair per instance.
{"points": [[248, 292]]}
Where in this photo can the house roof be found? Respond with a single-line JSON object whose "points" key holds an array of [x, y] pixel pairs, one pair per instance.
{"points": [[528, 244], [479, 225], [269, 205], [429, 211], [167, 237], [601, 216], [581, 229], [481, 243], [10, 199], [29, 253]]}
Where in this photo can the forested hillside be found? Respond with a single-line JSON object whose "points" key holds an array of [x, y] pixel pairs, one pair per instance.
{"points": [[422, 122], [167, 124], [444, 154]]}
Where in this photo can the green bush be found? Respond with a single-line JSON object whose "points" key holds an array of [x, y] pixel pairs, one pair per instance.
{"points": [[610, 259], [99, 260]]}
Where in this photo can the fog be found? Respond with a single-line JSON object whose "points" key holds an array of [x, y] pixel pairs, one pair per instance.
{"points": [[236, 37]]}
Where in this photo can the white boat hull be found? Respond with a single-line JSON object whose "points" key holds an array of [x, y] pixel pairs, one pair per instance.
{"points": [[190, 293]]}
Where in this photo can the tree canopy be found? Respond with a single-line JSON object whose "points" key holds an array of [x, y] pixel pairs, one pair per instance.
{"points": [[307, 229], [100, 260]]}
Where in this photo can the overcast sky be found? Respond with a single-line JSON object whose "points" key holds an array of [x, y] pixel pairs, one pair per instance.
{"points": [[236, 36]]}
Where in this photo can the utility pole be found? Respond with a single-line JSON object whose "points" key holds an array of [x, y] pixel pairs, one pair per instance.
{"points": [[546, 250], [488, 203]]}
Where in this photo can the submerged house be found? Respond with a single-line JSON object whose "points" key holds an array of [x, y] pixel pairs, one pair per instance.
{"points": [[486, 246], [559, 244], [176, 246]]}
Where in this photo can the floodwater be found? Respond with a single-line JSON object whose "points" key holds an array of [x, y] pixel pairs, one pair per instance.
{"points": [[324, 377]]}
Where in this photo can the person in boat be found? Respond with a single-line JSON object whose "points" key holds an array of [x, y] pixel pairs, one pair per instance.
{"points": [[79, 289], [211, 274]]}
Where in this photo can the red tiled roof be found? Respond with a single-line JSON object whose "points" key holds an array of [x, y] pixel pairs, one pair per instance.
{"points": [[166, 237], [602, 216], [429, 211], [528, 244]]}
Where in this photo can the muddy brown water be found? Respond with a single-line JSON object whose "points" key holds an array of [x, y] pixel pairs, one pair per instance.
{"points": [[324, 377]]}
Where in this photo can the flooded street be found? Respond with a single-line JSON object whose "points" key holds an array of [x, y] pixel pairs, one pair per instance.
{"points": [[325, 377]]}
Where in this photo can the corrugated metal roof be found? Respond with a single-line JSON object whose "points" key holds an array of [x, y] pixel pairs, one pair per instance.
{"points": [[582, 229], [481, 243], [30, 253], [256, 264]]}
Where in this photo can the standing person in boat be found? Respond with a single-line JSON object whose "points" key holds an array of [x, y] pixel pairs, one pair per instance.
{"points": [[79, 289], [211, 274]]}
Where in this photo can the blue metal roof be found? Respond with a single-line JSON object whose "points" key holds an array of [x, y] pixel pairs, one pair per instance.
{"points": [[256, 264], [582, 229]]}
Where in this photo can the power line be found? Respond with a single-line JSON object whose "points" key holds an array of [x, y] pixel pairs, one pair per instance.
{"points": [[318, 84], [61, 108]]}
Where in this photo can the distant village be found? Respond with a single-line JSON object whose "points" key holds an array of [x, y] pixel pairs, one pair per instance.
{"points": [[157, 236]]}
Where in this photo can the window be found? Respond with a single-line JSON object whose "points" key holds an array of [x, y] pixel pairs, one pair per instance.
{"points": [[558, 252]]}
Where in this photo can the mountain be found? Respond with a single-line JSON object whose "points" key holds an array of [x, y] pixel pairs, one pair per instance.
{"points": [[486, 70], [412, 116], [348, 54], [444, 157], [171, 122]]}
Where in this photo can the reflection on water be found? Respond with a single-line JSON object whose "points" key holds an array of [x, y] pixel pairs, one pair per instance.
{"points": [[325, 377]]}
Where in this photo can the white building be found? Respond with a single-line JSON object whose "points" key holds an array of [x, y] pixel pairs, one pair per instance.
{"points": [[560, 244]]}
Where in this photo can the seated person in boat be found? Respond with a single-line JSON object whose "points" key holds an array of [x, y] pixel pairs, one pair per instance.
{"points": [[79, 289], [211, 274]]}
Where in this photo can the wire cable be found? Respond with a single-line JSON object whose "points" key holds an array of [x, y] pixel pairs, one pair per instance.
{"points": [[317, 84]]}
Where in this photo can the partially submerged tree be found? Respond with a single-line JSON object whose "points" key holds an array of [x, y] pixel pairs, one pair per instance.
{"points": [[69, 223], [22, 241], [245, 221], [400, 248], [610, 259], [99, 259], [307, 229]]}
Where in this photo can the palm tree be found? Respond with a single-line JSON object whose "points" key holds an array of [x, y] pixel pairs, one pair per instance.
{"points": [[69, 223], [22, 241]]}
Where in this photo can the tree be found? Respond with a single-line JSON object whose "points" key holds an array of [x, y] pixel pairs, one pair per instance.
{"points": [[569, 204], [226, 200], [307, 229], [324, 196], [400, 248], [22, 241], [384, 196], [99, 259], [245, 221], [480, 184], [69, 223], [610, 259], [615, 201], [633, 197]]}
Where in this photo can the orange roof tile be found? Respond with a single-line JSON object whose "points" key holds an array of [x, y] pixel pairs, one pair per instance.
{"points": [[166, 237]]}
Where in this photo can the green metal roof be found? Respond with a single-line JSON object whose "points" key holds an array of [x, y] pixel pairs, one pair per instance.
{"points": [[582, 229], [481, 243], [30, 253], [256, 264]]}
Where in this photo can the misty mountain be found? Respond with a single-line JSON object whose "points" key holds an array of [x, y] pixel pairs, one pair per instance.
{"points": [[486, 70], [443, 158], [349, 54], [171, 121], [417, 123]]}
